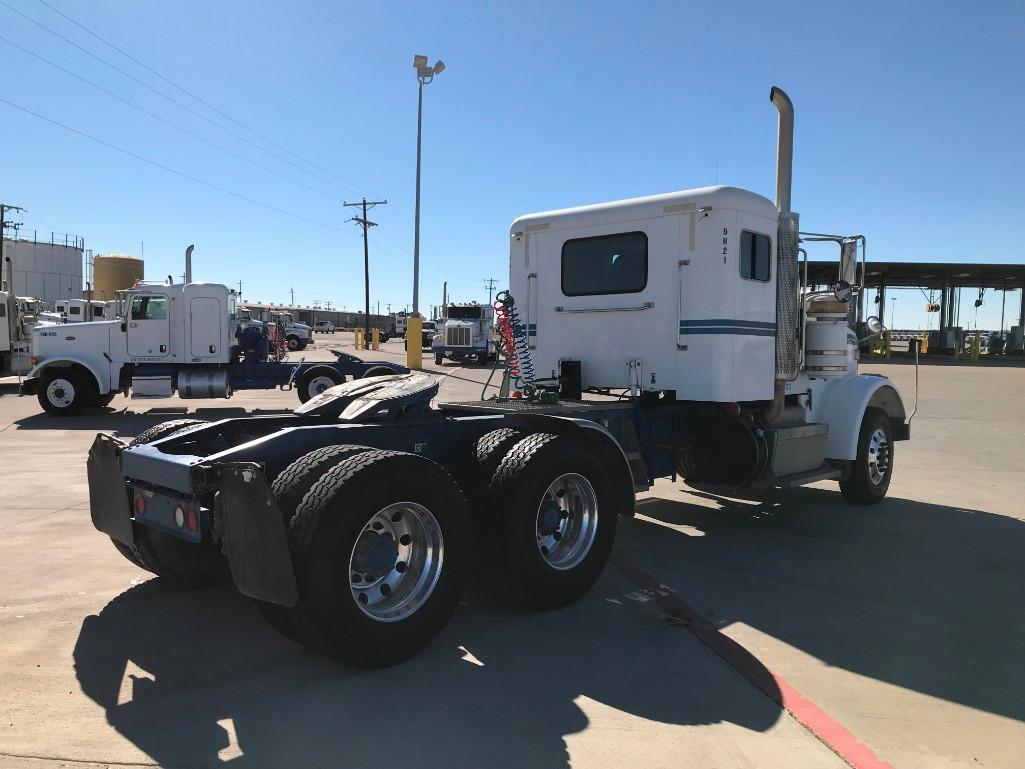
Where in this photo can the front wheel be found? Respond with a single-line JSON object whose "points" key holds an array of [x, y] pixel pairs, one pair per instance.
{"points": [[293, 343], [873, 468], [555, 521], [380, 567], [66, 392]]}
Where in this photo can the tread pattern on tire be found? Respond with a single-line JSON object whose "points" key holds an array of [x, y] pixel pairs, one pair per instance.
{"points": [[517, 457], [292, 483], [164, 430]]}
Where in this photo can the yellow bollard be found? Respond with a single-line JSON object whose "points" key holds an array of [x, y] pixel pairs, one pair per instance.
{"points": [[355, 338], [414, 340], [923, 344], [375, 338], [887, 343], [976, 346]]}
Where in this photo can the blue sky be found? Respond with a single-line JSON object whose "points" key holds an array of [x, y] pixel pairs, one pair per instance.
{"points": [[910, 125]]}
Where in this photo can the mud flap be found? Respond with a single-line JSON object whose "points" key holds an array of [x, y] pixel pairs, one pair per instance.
{"points": [[253, 534], [108, 498]]}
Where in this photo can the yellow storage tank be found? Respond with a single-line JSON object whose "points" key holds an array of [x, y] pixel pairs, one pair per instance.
{"points": [[115, 272]]}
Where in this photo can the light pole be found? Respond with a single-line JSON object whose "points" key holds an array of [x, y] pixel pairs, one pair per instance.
{"points": [[424, 75]]}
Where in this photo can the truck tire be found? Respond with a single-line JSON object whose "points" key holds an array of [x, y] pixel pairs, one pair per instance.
{"points": [[555, 521], [293, 342], [314, 380], [873, 468], [289, 488], [378, 371], [163, 430], [67, 391], [380, 567], [179, 562], [481, 357]]}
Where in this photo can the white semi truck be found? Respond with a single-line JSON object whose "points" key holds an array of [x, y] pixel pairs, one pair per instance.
{"points": [[171, 338], [353, 522], [465, 333]]}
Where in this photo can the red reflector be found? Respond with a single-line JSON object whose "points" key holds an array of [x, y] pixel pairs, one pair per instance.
{"points": [[140, 503], [192, 521], [34, 360], [517, 394], [733, 409]]}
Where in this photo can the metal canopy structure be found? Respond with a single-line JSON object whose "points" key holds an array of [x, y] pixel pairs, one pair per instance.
{"points": [[934, 275], [945, 277]]}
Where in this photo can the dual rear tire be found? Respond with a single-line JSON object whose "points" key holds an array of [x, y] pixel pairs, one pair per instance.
{"points": [[380, 571]]}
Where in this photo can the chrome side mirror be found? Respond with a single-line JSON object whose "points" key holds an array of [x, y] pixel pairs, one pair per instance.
{"points": [[874, 327]]}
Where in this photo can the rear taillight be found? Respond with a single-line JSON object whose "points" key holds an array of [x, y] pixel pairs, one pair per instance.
{"points": [[192, 521], [179, 517], [140, 503]]}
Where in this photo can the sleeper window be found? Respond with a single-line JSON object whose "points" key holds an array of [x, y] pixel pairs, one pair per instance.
{"points": [[755, 252], [608, 264]]}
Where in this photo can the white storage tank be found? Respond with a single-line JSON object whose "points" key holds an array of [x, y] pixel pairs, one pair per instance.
{"points": [[46, 266]]}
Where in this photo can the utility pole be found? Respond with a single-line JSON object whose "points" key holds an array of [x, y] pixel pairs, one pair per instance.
{"points": [[366, 224], [7, 265], [444, 299], [291, 291], [489, 284], [240, 290]]}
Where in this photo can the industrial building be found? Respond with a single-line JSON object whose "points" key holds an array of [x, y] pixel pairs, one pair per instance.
{"points": [[46, 266]]}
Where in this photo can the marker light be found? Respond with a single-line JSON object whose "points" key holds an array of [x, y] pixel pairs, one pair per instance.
{"points": [[192, 521], [140, 503], [179, 517]]}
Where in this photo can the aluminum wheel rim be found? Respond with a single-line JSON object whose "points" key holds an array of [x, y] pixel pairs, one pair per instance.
{"points": [[396, 562], [878, 457], [318, 384], [567, 521], [60, 392]]}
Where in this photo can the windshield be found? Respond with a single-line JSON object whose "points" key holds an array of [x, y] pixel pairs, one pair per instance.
{"points": [[465, 313], [430, 325]]}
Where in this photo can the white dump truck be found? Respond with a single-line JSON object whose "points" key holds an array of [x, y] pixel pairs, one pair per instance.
{"points": [[353, 522], [465, 333]]}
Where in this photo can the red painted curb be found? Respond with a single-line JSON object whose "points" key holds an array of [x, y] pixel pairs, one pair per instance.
{"points": [[826, 729]]}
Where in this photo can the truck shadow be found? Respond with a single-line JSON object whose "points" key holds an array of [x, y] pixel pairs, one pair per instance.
{"points": [[922, 596], [197, 679]]}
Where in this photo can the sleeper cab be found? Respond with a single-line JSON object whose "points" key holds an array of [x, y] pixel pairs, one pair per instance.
{"points": [[666, 292]]}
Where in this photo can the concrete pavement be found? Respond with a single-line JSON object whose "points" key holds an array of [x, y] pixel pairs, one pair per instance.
{"points": [[904, 622]]}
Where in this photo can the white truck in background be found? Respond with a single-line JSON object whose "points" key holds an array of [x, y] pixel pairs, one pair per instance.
{"points": [[297, 335], [79, 310], [18, 316], [466, 332]]}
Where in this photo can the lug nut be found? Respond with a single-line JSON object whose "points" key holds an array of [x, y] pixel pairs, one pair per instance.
{"points": [[405, 539], [401, 567], [385, 589]]}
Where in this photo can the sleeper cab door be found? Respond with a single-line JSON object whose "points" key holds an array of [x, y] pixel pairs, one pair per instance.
{"points": [[207, 316], [149, 327]]}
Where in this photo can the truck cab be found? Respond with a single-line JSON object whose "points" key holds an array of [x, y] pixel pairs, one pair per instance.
{"points": [[466, 332], [78, 310], [297, 335]]}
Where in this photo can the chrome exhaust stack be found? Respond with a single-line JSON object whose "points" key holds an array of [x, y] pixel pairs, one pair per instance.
{"points": [[188, 264], [787, 244]]}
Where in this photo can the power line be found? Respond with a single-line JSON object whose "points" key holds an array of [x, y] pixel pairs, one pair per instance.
{"points": [[161, 166], [489, 284], [164, 120], [163, 95], [197, 98]]}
